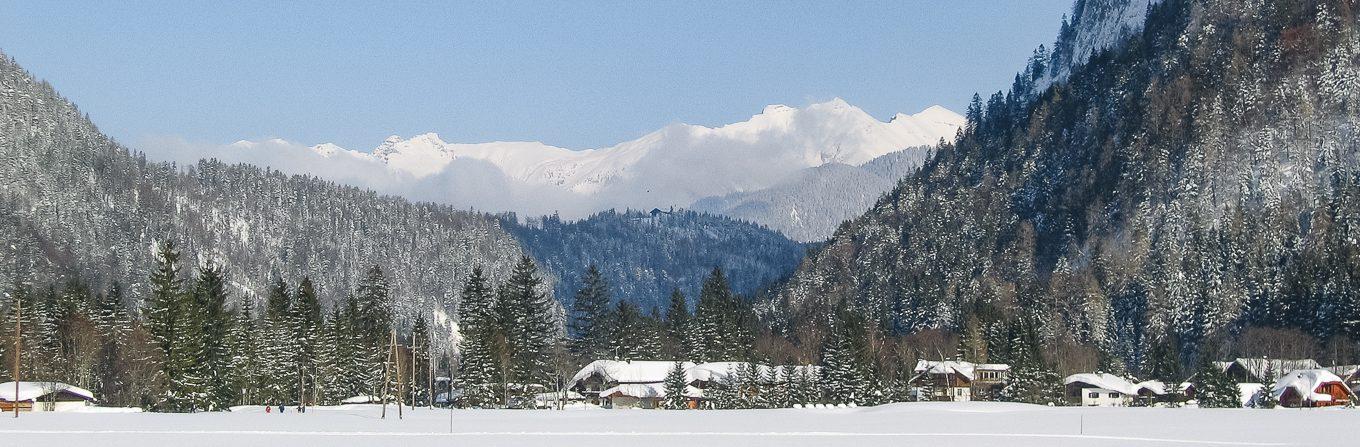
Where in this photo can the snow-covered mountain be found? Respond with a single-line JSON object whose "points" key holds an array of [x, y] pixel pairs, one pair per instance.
{"points": [[673, 166]]}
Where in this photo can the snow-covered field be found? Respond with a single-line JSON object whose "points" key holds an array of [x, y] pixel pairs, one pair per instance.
{"points": [[942, 424]]}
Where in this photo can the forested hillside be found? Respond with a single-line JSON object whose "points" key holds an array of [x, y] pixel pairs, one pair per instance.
{"points": [[646, 257], [1192, 192], [77, 205]]}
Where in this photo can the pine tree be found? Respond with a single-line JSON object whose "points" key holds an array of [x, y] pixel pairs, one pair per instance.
{"points": [[1214, 389], [210, 294], [478, 367], [630, 336], [528, 325], [845, 371], [113, 324], [675, 385], [590, 318], [244, 344], [720, 329], [373, 326], [304, 323], [677, 319], [168, 330], [1031, 380]]}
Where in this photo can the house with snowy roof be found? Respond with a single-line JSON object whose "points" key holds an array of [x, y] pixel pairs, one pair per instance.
{"points": [[44, 396], [958, 380], [641, 384], [1108, 390], [624, 383], [1312, 388]]}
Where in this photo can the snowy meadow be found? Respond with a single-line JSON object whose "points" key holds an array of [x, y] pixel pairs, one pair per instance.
{"points": [[951, 424]]}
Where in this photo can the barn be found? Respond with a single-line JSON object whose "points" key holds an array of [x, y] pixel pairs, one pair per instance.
{"points": [[1312, 388], [43, 396]]}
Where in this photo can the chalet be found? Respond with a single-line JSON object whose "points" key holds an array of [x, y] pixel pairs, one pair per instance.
{"points": [[1262, 370], [1312, 388], [958, 381], [624, 384], [1108, 390], [44, 396]]}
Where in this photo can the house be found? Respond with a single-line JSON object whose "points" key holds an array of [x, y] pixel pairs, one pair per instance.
{"points": [[623, 383], [44, 396], [1108, 390], [957, 380], [1262, 370], [1312, 388]]}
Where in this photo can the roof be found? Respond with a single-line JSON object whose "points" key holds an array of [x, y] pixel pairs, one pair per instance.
{"points": [[965, 369], [1257, 366], [1115, 383], [32, 390], [1306, 382], [646, 391], [636, 371]]}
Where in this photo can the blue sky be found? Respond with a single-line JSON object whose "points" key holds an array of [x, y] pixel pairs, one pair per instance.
{"points": [[573, 75]]}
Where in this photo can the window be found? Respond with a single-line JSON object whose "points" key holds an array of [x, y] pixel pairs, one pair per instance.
{"points": [[1114, 395], [1093, 395]]}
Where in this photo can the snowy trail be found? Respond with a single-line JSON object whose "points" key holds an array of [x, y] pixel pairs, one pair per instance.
{"points": [[943, 424]]}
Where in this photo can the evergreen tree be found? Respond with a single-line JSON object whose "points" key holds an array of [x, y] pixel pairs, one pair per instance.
{"points": [[210, 293], [845, 373], [171, 332], [244, 343], [528, 324], [675, 388], [720, 329], [590, 318], [631, 336], [113, 325], [304, 323], [373, 326], [1031, 380], [677, 318], [1214, 389], [478, 366]]}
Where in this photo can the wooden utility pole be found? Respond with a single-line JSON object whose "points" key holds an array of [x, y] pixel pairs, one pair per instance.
{"points": [[392, 364], [411, 389], [387, 374], [18, 348], [429, 379], [396, 353]]}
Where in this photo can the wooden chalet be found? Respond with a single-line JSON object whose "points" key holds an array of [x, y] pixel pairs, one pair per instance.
{"points": [[957, 380], [1312, 388]]}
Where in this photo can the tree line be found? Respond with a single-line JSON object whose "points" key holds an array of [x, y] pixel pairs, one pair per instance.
{"points": [[185, 348]]}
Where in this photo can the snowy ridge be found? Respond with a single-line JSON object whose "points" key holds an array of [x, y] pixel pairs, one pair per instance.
{"points": [[672, 166]]}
